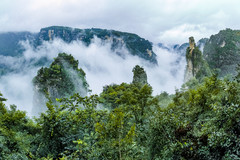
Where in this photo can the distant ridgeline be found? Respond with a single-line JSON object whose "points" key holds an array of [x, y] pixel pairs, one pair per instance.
{"points": [[181, 49], [137, 46], [221, 51]]}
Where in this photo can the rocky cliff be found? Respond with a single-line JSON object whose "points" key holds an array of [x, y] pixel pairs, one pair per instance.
{"points": [[196, 66]]}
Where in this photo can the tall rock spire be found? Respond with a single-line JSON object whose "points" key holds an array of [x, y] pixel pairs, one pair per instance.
{"points": [[196, 66]]}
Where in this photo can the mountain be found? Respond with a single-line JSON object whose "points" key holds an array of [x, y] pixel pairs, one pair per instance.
{"points": [[139, 76], [137, 46], [177, 48], [10, 42], [222, 51], [201, 43]]}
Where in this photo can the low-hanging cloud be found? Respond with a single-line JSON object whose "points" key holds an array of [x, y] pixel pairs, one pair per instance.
{"points": [[101, 65]]}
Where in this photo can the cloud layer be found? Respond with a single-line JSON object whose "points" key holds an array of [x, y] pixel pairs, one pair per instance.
{"points": [[169, 21], [101, 64]]}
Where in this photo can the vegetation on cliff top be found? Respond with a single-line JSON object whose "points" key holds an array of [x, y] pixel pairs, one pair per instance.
{"points": [[62, 79]]}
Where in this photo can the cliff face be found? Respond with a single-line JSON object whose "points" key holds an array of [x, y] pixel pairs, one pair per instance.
{"points": [[222, 51], [196, 66], [190, 70]]}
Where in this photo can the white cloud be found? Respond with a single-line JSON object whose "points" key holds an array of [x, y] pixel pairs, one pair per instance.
{"points": [[183, 32], [101, 64]]}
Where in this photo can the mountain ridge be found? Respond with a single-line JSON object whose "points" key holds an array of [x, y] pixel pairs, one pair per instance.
{"points": [[136, 45]]}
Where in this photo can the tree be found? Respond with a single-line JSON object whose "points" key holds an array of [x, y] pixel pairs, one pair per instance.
{"points": [[116, 136], [17, 133]]}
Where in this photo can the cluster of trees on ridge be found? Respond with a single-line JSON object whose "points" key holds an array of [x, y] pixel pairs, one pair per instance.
{"points": [[200, 121]]}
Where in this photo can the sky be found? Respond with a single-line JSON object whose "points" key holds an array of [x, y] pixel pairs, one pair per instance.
{"points": [[165, 21]]}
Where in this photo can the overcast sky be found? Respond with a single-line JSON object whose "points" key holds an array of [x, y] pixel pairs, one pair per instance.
{"points": [[168, 21]]}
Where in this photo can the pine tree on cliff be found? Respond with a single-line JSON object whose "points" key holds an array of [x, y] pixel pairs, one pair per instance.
{"points": [[196, 66]]}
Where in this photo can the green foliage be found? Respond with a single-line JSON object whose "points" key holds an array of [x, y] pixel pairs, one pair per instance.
{"points": [[200, 67], [62, 79], [164, 99], [222, 51], [191, 84], [112, 93], [63, 125], [116, 136], [200, 121], [17, 133]]}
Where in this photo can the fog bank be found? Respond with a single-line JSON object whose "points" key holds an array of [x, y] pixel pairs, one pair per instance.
{"points": [[101, 65]]}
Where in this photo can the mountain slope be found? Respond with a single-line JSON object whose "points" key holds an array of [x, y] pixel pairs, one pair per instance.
{"points": [[135, 44], [9, 42], [222, 51]]}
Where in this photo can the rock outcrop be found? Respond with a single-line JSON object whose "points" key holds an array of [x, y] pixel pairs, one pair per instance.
{"points": [[196, 66]]}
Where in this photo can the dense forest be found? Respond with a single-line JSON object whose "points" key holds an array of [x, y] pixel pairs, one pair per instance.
{"points": [[200, 121]]}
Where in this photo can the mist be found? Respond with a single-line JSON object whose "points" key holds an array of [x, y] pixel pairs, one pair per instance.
{"points": [[101, 65]]}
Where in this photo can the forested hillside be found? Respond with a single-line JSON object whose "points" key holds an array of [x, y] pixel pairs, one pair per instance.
{"points": [[199, 121], [222, 51]]}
